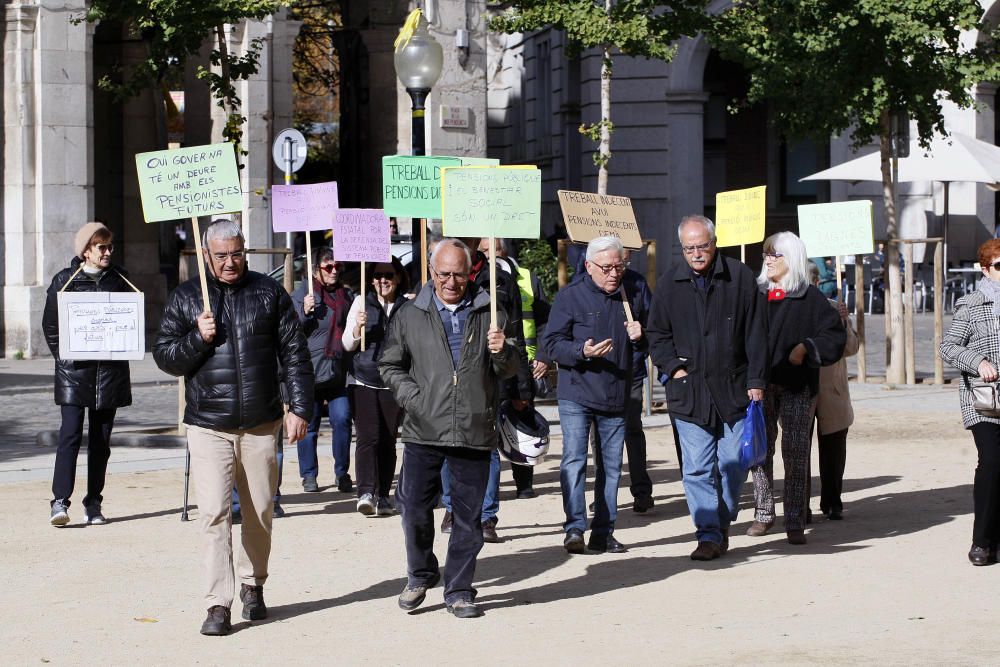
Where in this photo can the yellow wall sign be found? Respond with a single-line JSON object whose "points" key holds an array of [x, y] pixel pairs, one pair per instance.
{"points": [[739, 216]]}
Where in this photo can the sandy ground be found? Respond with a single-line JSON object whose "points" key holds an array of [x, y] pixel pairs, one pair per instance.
{"points": [[888, 585]]}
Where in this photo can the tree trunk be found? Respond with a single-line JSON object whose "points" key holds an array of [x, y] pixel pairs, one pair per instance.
{"points": [[604, 149], [894, 362]]}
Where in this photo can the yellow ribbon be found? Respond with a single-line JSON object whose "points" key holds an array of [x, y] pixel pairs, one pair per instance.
{"points": [[406, 32]]}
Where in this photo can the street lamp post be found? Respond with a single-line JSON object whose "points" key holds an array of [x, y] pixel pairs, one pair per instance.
{"points": [[418, 63]]}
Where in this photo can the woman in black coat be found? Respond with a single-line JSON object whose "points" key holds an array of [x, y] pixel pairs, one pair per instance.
{"points": [[95, 387], [804, 333]]}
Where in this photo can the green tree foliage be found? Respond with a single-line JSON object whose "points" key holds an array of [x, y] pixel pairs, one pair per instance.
{"points": [[536, 255], [632, 27]]}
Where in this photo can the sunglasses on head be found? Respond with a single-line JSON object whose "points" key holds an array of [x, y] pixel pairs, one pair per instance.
{"points": [[996, 265], [330, 268]]}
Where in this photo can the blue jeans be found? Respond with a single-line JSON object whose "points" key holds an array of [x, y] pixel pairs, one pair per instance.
{"points": [[338, 411], [713, 477], [491, 501], [575, 421]]}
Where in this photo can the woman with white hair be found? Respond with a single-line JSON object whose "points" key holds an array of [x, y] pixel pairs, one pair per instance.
{"points": [[804, 333]]}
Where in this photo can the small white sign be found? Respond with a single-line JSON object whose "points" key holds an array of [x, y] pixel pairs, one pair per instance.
{"points": [[102, 325], [454, 116]]}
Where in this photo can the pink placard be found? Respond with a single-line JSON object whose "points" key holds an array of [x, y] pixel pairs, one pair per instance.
{"points": [[304, 208], [361, 235]]}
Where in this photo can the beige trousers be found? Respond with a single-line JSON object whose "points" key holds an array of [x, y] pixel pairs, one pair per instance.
{"points": [[220, 460]]}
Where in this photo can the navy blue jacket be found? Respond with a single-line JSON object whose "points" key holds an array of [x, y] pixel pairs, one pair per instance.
{"points": [[580, 311]]}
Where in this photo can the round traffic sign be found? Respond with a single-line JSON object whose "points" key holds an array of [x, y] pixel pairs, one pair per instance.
{"points": [[289, 150]]}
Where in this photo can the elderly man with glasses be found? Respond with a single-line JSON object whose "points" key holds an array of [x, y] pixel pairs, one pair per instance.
{"points": [[233, 357], [590, 337], [707, 334]]}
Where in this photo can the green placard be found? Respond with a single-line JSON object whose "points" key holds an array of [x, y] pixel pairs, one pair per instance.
{"points": [[189, 182], [411, 184], [492, 201], [480, 162], [843, 228]]}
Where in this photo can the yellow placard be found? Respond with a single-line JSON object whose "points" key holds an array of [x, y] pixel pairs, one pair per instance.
{"points": [[739, 216]]}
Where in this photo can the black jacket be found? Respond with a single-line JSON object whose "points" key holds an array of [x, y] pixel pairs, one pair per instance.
{"points": [[364, 364], [445, 405], [328, 371], [94, 384], [718, 336], [803, 316], [232, 382]]}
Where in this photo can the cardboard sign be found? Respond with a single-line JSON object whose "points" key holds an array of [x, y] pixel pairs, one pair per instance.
{"points": [[101, 325], [480, 162], [739, 216], [492, 201], [588, 215], [304, 208], [189, 182], [411, 184], [842, 228], [362, 235]]}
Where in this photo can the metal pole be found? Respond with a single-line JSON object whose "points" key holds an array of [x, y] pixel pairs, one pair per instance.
{"points": [[911, 371], [288, 151], [418, 144], [938, 311], [859, 315]]}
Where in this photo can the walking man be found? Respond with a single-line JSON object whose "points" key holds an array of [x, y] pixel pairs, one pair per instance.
{"points": [[442, 361], [590, 338], [707, 333], [233, 358]]}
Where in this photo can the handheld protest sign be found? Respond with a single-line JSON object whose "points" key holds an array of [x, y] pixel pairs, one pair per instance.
{"points": [[97, 326], [411, 184], [841, 228], [187, 183], [362, 235], [739, 217], [588, 215], [304, 208]]}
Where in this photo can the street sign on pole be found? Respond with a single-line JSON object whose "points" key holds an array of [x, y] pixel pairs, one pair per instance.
{"points": [[289, 150]]}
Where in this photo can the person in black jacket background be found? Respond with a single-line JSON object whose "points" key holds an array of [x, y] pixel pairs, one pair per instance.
{"points": [[707, 333], [97, 388], [804, 333], [233, 358]]}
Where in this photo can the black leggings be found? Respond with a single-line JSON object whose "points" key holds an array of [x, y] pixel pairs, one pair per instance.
{"points": [[376, 418], [986, 486]]}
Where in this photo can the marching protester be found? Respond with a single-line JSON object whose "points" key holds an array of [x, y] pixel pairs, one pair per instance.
{"points": [[804, 333], [233, 358], [707, 334], [972, 345], [95, 389], [376, 413], [323, 315], [443, 361], [834, 416], [590, 338]]}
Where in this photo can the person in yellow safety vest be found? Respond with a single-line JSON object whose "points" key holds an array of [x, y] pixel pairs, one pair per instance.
{"points": [[534, 315]]}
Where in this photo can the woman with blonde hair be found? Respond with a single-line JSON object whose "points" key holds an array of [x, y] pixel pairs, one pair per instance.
{"points": [[804, 333]]}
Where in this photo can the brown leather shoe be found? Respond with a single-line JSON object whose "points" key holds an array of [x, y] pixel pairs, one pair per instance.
{"points": [[490, 531], [706, 551], [217, 623], [252, 598], [759, 528], [446, 523], [796, 536]]}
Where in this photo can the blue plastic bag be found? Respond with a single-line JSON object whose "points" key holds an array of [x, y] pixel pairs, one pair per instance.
{"points": [[753, 442]]}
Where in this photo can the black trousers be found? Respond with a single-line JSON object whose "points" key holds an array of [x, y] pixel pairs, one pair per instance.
{"points": [[417, 492], [641, 486], [524, 476], [376, 418], [98, 452], [832, 460], [986, 486]]}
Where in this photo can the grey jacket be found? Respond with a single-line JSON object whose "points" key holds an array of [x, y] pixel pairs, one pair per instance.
{"points": [[974, 335], [446, 406]]}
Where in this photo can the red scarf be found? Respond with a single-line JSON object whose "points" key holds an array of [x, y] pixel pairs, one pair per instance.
{"points": [[336, 301], [776, 294]]}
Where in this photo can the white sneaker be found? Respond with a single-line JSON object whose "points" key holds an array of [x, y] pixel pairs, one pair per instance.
{"points": [[366, 504], [60, 515]]}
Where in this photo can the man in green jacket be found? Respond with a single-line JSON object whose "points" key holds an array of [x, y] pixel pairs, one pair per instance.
{"points": [[442, 360]]}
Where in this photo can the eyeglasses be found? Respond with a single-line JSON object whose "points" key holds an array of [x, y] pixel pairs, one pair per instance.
{"points": [[445, 276], [771, 255], [608, 268], [330, 268], [691, 249], [380, 275], [104, 247], [223, 256], [996, 265]]}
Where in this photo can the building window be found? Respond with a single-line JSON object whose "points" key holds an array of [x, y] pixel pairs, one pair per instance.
{"points": [[798, 159], [543, 98]]}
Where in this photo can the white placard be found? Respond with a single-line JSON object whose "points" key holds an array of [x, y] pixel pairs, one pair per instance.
{"points": [[102, 325]]}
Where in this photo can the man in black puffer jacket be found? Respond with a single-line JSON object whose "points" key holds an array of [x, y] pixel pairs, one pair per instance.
{"points": [[233, 358]]}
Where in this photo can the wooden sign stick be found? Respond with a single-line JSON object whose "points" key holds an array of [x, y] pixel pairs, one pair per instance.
{"points": [[309, 262], [493, 282], [363, 304], [743, 254], [628, 308], [840, 271], [201, 263]]}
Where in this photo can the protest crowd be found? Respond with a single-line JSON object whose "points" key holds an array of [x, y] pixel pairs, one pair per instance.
{"points": [[451, 370]]}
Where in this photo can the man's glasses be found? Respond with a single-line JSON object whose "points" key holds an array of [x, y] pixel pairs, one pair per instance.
{"points": [[691, 249], [104, 247], [223, 256], [445, 276], [330, 268], [608, 268], [381, 275], [771, 256]]}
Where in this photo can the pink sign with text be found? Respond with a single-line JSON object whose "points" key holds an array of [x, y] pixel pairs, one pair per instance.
{"points": [[361, 235], [304, 208]]}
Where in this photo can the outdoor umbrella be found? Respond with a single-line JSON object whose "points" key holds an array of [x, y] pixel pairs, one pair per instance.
{"points": [[957, 157]]}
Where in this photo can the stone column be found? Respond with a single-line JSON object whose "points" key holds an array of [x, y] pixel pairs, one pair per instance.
{"points": [[685, 166]]}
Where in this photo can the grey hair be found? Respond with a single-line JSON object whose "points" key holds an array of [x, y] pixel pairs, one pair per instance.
{"points": [[455, 243], [701, 220], [602, 243], [794, 251], [220, 230]]}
